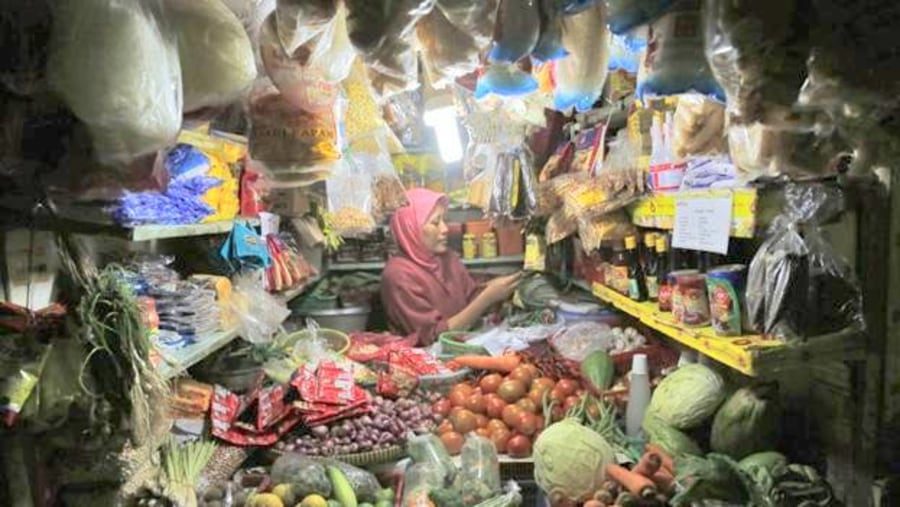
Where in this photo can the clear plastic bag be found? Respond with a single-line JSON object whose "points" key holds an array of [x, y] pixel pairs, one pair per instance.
{"points": [[349, 190], [259, 313], [388, 193], [513, 195], [306, 475], [480, 470], [116, 66], [448, 51], [429, 449], [797, 285], [613, 226], [474, 17], [334, 55], [549, 45], [519, 27], [621, 171], [582, 338], [627, 14], [675, 61], [419, 480], [217, 63], [581, 74], [300, 21], [699, 125], [365, 130]]}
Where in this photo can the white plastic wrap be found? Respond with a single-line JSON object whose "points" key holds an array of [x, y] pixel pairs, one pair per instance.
{"points": [[699, 126], [299, 21], [115, 64], [580, 75], [217, 64]]}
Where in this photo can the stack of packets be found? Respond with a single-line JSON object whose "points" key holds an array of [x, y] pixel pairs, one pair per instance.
{"points": [[405, 367]]}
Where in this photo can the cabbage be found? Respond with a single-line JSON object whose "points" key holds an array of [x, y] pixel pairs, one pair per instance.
{"points": [[748, 422], [570, 461], [116, 67], [687, 397], [217, 62], [671, 440]]}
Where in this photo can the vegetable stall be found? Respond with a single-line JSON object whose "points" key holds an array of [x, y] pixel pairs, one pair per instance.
{"points": [[698, 197]]}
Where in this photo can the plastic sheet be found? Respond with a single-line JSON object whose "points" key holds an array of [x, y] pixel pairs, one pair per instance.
{"points": [[580, 75], [797, 285], [116, 66], [300, 21], [627, 14], [217, 63], [674, 61], [448, 51]]}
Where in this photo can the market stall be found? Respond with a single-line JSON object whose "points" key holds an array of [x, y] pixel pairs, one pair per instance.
{"points": [[199, 203]]}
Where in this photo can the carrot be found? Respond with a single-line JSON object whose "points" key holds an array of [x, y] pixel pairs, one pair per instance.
{"points": [[637, 484], [594, 503], [667, 462], [505, 363], [648, 464], [664, 481]]}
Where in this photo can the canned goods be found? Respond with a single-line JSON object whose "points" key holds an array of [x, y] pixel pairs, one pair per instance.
{"points": [[692, 304], [469, 248], [488, 245], [725, 285]]}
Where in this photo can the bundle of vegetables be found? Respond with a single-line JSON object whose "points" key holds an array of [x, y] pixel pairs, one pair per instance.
{"points": [[386, 426], [183, 465], [600, 417]]}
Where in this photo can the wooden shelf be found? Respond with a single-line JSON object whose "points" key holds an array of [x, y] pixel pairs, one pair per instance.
{"points": [[379, 265], [658, 210], [751, 355]]}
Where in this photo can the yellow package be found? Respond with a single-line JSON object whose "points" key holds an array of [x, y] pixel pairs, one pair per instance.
{"points": [[363, 122], [223, 155]]}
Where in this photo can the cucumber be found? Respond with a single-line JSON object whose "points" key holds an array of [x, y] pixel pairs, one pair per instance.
{"points": [[598, 370], [341, 489]]}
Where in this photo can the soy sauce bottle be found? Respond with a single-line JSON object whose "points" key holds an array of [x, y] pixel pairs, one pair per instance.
{"points": [[637, 283], [658, 268]]}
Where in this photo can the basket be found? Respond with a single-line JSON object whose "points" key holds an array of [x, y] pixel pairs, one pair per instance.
{"points": [[337, 341], [443, 383], [360, 459], [451, 347]]}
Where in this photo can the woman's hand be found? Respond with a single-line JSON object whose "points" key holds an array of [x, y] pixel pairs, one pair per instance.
{"points": [[501, 288]]}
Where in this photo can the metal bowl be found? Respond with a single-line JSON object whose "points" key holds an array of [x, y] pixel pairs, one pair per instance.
{"points": [[347, 319]]}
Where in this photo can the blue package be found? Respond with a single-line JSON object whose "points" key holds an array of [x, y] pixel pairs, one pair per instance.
{"points": [[505, 80], [627, 14], [245, 248], [180, 204], [186, 161]]}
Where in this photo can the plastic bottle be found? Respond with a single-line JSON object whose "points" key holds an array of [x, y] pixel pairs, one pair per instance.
{"points": [[638, 395]]}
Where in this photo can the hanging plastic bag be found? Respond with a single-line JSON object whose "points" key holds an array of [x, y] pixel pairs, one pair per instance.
{"points": [[474, 17], [612, 226], [519, 28], [797, 285], [365, 130], [116, 66], [388, 193], [349, 191], [621, 171], [627, 14], [580, 76], [371, 23], [699, 125], [217, 64], [334, 55], [448, 51], [674, 61], [513, 196], [259, 314], [300, 21], [549, 45]]}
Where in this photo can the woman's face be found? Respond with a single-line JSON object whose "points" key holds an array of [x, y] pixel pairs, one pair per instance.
{"points": [[434, 232]]}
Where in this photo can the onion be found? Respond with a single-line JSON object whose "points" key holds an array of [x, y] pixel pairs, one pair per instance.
{"points": [[365, 420], [320, 431]]}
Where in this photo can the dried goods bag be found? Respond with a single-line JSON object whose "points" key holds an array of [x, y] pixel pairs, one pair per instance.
{"points": [[627, 14], [549, 46], [217, 64], [299, 21], [580, 75], [349, 190], [517, 33], [474, 17], [448, 51], [115, 64]]}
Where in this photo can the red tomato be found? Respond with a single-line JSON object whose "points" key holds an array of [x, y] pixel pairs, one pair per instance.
{"points": [[453, 441], [458, 397], [495, 406], [496, 425], [567, 386], [481, 420], [540, 423], [535, 372], [500, 437], [558, 396], [483, 432], [526, 424], [475, 403], [463, 421], [511, 390], [543, 383], [490, 383], [455, 409], [518, 446], [522, 373], [570, 402], [527, 406], [511, 414], [441, 407], [444, 427]]}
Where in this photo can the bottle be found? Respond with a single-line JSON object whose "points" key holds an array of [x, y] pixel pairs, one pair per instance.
{"points": [[638, 395], [489, 245], [648, 252], [617, 275], [637, 283], [659, 275]]}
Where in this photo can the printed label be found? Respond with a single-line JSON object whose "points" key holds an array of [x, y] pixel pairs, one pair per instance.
{"points": [[652, 287], [724, 307]]}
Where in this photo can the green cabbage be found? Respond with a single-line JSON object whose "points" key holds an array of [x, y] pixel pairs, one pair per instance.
{"points": [[671, 440], [687, 397], [570, 461], [748, 422]]}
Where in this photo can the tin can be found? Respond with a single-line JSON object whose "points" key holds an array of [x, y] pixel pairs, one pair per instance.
{"points": [[469, 248], [676, 305], [691, 290], [725, 285], [488, 245], [535, 253]]}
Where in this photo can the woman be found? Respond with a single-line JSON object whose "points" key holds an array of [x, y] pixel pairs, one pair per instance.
{"points": [[426, 290]]}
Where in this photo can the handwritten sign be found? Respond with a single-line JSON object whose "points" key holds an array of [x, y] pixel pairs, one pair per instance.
{"points": [[702, 223]]}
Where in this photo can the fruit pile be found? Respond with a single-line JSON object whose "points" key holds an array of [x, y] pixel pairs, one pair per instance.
{"points": [[509, 410]]}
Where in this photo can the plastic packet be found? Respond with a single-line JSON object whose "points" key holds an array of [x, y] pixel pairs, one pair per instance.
{"points": [[116, 66], [376, 24], [559, 228], [419, 480], [519, 27], [365, 129], [306, 475], [300, 21], [429, 449], [549, 46], [334, 55], [474, 17], [582, 338], [581, 74], [259, 313], [217, 62], [558, 163], [584, 198], [513, 195], [589, 146], [625, 52], [612, 226], [621, 170], [448, 51], [716, 171], [675, 61], [627, 14], [21, 364], [699, 125], [363, 483], [480, 470], [388, 193], [757, 51], [349, 190], [797, 286]]}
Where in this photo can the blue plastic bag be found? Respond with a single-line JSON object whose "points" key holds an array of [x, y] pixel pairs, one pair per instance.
{"points": [[518, 34], [580, 76]]}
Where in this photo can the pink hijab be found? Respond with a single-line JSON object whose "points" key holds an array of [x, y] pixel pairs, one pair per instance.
{"points": [[407, 224]]}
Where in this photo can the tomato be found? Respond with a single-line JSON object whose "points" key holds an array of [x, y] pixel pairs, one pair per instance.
{"points": [[455, 409], [527, 406], [522, 373], [458, 398], [463, 421], [441, 407], [558, 413], [540, 423], [558, 396], [500, 437], [535, 372], [495, 406], [544, 383], [453, 441], [483, 432], [518, 446], [490, 383], [511, 414], [567, 386], [496, 425], [475, 403], [444, 427], [593, 410], [481, 420], [511, 390], [526, 423], [571, 401]]}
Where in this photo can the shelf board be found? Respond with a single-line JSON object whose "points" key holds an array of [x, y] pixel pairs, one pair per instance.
{"points": [[177, 361], [658, 210], [379, 265], [751, 355]]}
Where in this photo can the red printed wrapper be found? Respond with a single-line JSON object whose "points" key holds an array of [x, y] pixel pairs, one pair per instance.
{"points": [[271, 407]]}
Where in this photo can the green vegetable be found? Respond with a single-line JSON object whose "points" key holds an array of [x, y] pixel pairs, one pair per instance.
{"points": [[748, 422], [510, 499], [717, 477], [767, 460], [384, 503], [334, 503], [363, 482], [687, 397], [305, 475], [364, 504], [342, 491], [384, 495], [670, 439], [446, 497], [569, 460], [598, 370]]}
